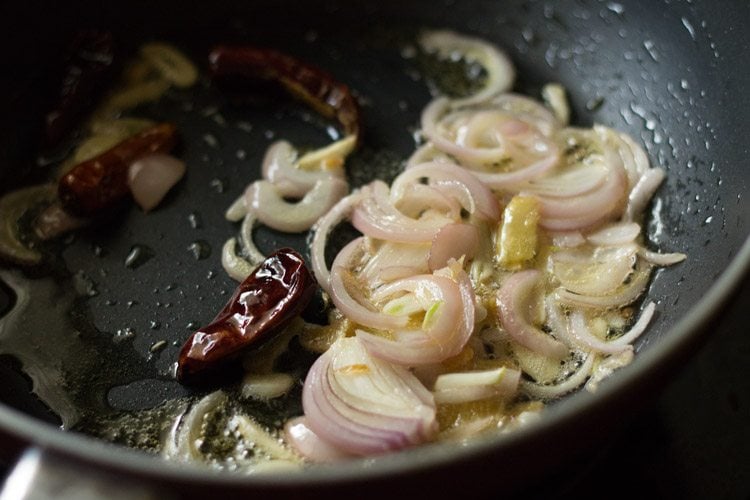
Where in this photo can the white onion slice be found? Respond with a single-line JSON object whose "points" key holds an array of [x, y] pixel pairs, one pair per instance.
{"points": [[642, 192], [661, 259], [308, 444], [268, 205], [448, 324], [615, 234], [453, 388], [480, 200], [280, 167], [453, 241], [555, 97], [638, 328], [363, 405], [623, 296], [152, 176], [353, 308], [322, 229], [541, 391], [236, 267], [249, 249], [513, 304], [586, 340], [499, 68], [598, 271], [377, 217]]}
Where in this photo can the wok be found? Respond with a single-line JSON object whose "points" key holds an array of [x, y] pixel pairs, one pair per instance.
{"points": [[670, 74]]}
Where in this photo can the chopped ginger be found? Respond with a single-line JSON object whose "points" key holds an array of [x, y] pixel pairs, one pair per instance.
{"points": [[517, 241]]}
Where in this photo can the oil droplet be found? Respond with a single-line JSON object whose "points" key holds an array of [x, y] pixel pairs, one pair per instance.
{"points": [[124, 334], [200, 249], [84, 285], [211, 140], [194, 218], [218, 185], [245, 126], [154, 325], [139, 255]]}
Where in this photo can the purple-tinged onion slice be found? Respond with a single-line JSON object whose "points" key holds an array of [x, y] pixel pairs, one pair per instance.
{"points": [[363, 405], [268, 205], [513, 304], [151, 177], [449, 306]]}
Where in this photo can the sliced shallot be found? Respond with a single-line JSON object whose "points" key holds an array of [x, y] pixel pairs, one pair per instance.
{"points": [[308, 444], [449, 44], [151, 177], [364, 405], [512, 306], [453, 241], [268, 205], [447, 325]]}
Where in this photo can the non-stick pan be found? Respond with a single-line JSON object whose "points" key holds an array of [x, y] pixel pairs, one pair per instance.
{"points": [[671, 74]]}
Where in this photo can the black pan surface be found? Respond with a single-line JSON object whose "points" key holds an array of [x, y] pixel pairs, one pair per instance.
{"points": [[670, 74]]}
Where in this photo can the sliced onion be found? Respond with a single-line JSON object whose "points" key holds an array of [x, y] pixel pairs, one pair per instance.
{"points": [[512, 305], [268, 205], [427, 153], [484, 137], [606, 367], [170, 63], [578, 212], [363, 405], [281, 169], [478, 199], [585, 340], [661, 259], [541, 391], [266, 386], [642, 192], [235, 266], [556, 99], [309, 445], [237, 210], [598, 271], [352, 308], [377, 217], [634, 159], [449, 44], [322, 229], [420, 197], [623, 296], [450, 313], [571, 182], [615, 234], [453, 241], [13, 206], [567, 239], [393, 260], [453, 388], [151, 177], [638, 328], [249, 249], [503, 180]]}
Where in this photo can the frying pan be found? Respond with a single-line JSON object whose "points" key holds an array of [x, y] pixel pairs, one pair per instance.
{"points": [[673, 75]]}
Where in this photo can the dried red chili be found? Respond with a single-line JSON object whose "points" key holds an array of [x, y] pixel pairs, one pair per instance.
{"points": [[101, 182], [87, 69], [304, 81], [277, 291]]}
